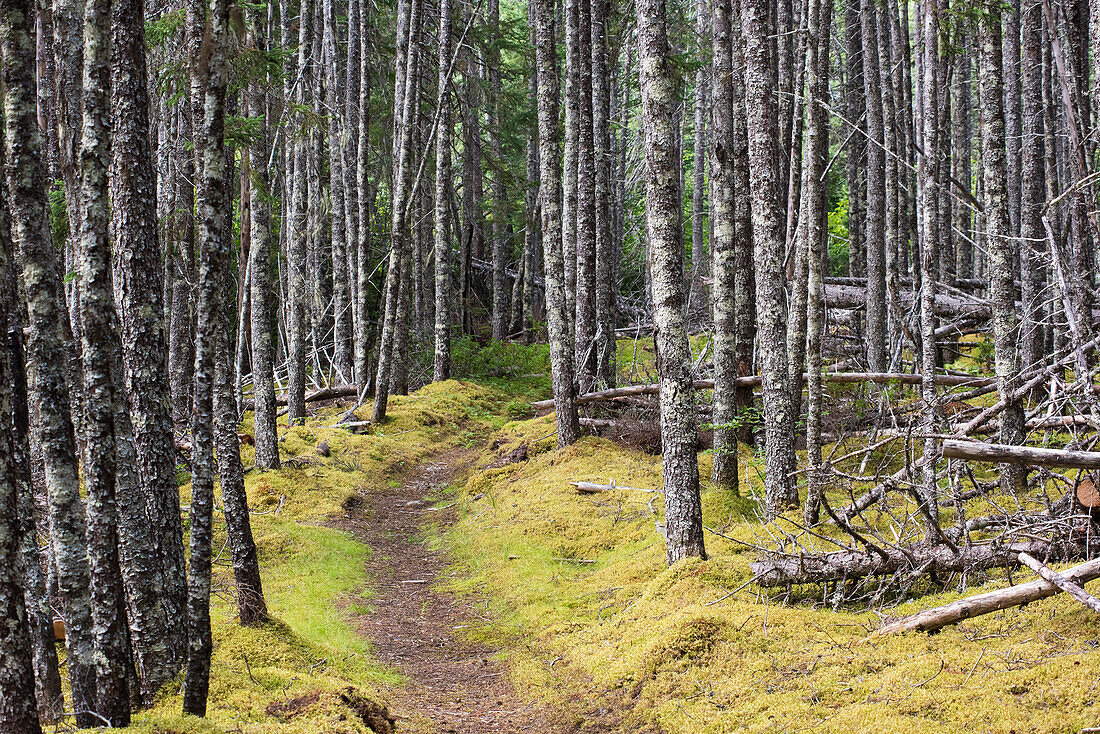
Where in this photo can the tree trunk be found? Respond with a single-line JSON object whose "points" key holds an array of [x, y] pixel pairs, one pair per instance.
{"points": [[212, 210], [442, 361], [723, 244], [550, 201], [1033, 186], [47, 353], [664, 233], [607, 255], [1001, 247], [760, 89]]}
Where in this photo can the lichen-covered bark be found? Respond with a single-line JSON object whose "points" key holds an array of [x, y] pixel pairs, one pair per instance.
{"points": [[363, 324], [138, 273], [18, 711], [263, 351], [500, 321], [550, 201], [442, 359], [1032, 185], [212, 208], [46, 349], [607, 254], [251, 606], [664, 231], [396, 274], [723, 235], [815, 203], [97, 308], [585, 326], [298, 276], [875, 222], [1001, 247], [760, 89]]}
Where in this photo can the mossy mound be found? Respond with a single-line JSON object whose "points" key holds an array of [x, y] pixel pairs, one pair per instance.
{"points": [[696, 648]]}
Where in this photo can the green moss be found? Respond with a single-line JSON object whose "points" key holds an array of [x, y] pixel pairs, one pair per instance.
{"points": [[694, 649]]}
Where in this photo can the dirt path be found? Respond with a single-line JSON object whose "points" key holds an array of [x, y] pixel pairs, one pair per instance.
{"points": [[454, 685]]}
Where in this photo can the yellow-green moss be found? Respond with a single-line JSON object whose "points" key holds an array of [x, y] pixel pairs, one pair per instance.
{"points": [[693, 650]]}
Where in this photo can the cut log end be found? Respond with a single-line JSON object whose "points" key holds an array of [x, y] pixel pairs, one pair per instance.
{"points": [[1087, 494]]}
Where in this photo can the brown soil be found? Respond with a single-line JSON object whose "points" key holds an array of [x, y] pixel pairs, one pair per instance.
{"points": [[453, 685]]}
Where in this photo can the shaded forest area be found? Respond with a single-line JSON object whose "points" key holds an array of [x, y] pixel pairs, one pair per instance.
{"points": [[861, 236]]}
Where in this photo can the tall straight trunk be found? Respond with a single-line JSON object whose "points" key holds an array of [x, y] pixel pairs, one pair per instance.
{"points": [[606, 250], [30, 684], [815, 198], [343, 357], [138, 279], [960, 162], [1011, 50], [664, 233], [396, 274], [1001, 247], [363, 324], [263, 370], [723, 238], [550, 202], [251, 605], [18, 711], [442, 360], [212, 210], [875, 221], [1033, 185], [474, 237], [928, 168], [585, 327], [760, 105], [499, 321], [350, 133], [699, 152], [298, 236], [97, 316], [856, 159], [744, 267], [46, 351], [570, 158]]}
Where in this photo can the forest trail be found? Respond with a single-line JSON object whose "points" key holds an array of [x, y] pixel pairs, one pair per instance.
{"points": [[454, 685]]}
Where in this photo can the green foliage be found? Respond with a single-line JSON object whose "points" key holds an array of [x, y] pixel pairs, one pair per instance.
{"points": [[59, 215], [838, 237], [497, 359]]}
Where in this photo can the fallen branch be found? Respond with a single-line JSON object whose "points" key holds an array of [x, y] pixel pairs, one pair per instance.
{"points": [[843, 378], [593, 488], [930, 620], [1061, 582], [1030, 455]]}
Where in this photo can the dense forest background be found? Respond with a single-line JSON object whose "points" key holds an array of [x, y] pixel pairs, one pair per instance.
{"points": [[214, 210]]}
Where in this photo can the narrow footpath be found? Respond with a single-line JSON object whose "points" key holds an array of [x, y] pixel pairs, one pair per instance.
{"points": [[453, 685]]}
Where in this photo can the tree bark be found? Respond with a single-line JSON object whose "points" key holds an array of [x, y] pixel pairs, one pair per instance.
{"points": [[760, 89], [212, 209], [46, 350], [442, 360], [664, 234], [550, 202]]}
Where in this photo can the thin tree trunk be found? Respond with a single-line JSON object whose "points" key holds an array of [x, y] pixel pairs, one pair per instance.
{"points": [[212, 209], [442, 360], [1033, 185], [550, 201], [606, 250]]}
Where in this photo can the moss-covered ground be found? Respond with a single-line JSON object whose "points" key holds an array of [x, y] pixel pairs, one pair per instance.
{"points": [[585, 604]]}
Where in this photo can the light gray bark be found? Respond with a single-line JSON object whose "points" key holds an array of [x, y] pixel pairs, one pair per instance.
{"points": [[665, 250]]}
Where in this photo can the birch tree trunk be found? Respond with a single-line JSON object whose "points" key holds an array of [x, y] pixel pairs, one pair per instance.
{"points": [[664, 232]]}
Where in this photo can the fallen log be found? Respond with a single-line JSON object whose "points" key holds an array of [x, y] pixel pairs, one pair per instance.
{"points": [[843, 378], [330, 392], [783, 570], [850, 296], [1006, 454], [931, 620], [1061, 582]]}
